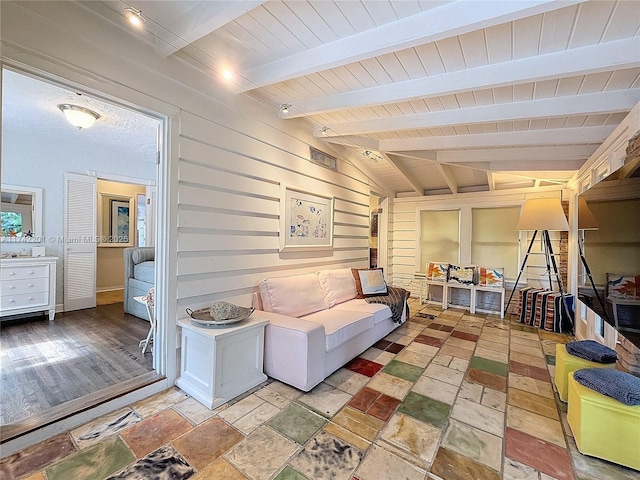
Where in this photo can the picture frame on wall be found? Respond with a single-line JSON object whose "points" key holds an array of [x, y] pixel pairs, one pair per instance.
{"points": [[120, 224], [306, 220], [374, 224]]}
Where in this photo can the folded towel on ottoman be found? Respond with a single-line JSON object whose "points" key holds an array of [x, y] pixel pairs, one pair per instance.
{"points": [[622, 386], [592, 351]]}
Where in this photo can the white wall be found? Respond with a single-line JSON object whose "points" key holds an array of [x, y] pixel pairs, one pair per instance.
{"points": [[34, 158], [404, 253], [227, 158]]}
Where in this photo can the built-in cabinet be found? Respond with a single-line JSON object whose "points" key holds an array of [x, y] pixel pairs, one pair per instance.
{"points": [[28, 285]]}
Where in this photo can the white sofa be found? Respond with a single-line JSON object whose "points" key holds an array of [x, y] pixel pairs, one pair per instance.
{"points": [[316, 325]]}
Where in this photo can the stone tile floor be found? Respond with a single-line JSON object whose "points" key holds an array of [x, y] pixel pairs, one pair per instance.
{"points": [[448, 395]]}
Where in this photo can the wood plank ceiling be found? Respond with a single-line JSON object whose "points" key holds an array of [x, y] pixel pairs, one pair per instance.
{"points": [[447, 96]]}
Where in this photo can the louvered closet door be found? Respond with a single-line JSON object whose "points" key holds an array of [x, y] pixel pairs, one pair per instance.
{"points": [[80, 242]]}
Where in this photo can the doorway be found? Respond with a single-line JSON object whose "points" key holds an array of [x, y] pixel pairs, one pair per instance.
{"points": [[38, 148]]}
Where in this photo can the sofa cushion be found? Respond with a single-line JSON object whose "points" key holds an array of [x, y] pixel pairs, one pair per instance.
{"points": [[369, 282], [339, 285], [379, 311], [144, 271], [295, 295], [340, 326]]}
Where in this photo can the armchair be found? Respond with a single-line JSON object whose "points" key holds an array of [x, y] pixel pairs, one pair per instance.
{"points": [[139, 273]]}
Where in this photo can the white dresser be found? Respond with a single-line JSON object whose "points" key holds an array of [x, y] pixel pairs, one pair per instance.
{"points": [[27, 285]]}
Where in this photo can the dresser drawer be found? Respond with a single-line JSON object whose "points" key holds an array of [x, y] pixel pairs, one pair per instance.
{"points": [[21, 272], [14, 302], [30, 285]]}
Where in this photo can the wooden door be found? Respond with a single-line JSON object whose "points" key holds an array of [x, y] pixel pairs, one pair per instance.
{"points": [[80, 242]]}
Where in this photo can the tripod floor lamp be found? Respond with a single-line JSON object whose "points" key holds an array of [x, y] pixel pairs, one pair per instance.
{"points": [[543, 215]]}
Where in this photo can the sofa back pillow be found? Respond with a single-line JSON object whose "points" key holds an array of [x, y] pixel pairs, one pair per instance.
{"points": [[339, 285], [295, 295]]}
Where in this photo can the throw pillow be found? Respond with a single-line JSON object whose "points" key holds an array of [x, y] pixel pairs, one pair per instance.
{"points": [[462, 274], [623, 286], [437, 271], [491, 277], [369, 282]]}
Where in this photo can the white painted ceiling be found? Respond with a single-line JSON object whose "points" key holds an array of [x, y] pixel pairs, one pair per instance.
{"points": [[31, 105], [449, 96]]}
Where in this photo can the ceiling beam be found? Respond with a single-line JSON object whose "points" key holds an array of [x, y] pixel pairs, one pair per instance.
{"points": [[555, 136], [415, 185], [418, 155], [363, 143], [200, 20], [449, 20], [546, 169], [448, 177], [518, 155], [617, 54], [491, 181], [562, 106]]}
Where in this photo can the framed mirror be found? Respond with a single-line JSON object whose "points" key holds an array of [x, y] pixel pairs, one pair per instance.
{"points": [[21, 214], [116, 220]]}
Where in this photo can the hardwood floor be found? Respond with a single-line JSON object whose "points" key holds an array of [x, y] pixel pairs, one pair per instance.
{"points": [[87, 352], [109, 297]]}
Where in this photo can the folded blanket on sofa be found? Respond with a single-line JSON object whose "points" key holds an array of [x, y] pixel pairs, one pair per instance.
{"points": [[592, 351], [622, 386], [395, 300]]}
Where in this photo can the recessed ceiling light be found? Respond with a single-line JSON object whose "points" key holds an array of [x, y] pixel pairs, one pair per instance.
{"points": [[284, 108], [227, 74], [78, 116], [135, 17]]}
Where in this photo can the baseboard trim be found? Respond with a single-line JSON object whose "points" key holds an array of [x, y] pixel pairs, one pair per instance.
{"points": [[109, 289]]}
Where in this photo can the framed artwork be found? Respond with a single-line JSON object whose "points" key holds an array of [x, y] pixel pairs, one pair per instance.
{"points": [[120, 221], [306, 220], [374, 224]]}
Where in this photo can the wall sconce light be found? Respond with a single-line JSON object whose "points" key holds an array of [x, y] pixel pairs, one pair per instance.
{"points": [[78, 116], [134, 16], [284, 108]]}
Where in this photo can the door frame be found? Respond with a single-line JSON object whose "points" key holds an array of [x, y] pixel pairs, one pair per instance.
{"points": [[48, 69]]}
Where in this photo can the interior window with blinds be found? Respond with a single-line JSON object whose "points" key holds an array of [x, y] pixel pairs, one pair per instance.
{"points": [[439, 236], [494, 238]]}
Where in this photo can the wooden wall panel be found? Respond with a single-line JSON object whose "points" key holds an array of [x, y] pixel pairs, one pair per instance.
{"points": [[229, 189]]}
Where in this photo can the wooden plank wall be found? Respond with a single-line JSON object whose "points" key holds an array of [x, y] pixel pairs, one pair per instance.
{"points": [[229, 183]]}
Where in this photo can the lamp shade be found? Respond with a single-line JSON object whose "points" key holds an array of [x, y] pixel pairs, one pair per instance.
{"points": [[78, 116], [542, 214], [586, 219]]}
